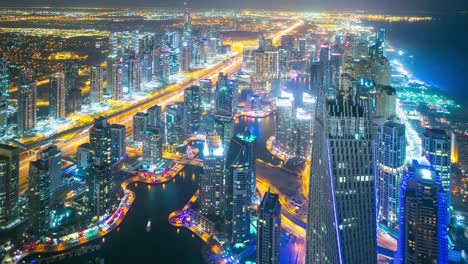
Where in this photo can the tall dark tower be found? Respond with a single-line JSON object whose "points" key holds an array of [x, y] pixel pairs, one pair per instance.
{"points": [[187, 22]]}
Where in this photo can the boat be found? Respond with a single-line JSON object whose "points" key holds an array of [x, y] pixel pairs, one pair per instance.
{"points": [[148, 226]]}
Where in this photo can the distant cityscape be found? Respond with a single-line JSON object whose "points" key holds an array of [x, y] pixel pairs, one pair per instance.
{"points": [[302, 137]]}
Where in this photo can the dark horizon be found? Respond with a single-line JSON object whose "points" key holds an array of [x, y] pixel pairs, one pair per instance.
{"points": [[398, 6]]}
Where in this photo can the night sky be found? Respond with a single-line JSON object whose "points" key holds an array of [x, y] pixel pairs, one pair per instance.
{"points": [[401, 6]]}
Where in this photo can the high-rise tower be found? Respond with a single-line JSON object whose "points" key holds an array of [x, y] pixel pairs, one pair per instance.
{"points": [[96, 93], [392, 156], [57, 95], [240, 185], [27, 109], [423, 217], [4, 95], [436, 148], [212, 180], [341, 224], [269, 230], [9, 180], [187, 22]]}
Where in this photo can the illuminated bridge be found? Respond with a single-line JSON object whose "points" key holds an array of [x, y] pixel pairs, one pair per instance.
{"points": [[183, 160]]}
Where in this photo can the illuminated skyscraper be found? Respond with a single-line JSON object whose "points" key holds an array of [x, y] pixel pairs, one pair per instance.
{"points": [[392, 156], [52, 157], [39, 196], [140, 124], [385, 102], [96, 92], [4, 95], [192, 109], [266, 65], [240, 186], [152, 147], [100, 141], [303, 125], [57, 95], [185, 57], [269, 230], [436, 148], [27, 108], [173, 120], [118, 134], [98, 178], [9, 180], [187, 22], [84, 155], [423, 217], [162, 67], [174, 61], [98, 185], [116, 81], [72, 88], [212, 180], [341, 223], [134, 75], [284, 124], [155, 116], [206, 91], [224, 108], [248, 59], [325, 78], [283, 62]]}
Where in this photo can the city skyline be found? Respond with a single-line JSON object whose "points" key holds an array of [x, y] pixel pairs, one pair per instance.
{"points": [[418, 6], [227, 136]]}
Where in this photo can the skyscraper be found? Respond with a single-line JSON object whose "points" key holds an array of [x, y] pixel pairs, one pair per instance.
{"points": [[118, 134], [72, 88], [224, 108], [185, 57], [140, 124], [212, 180], [187, 22], [392, 156], [39, 196], [423, 217], [100, 141], [284, 124], [436, 148], [96, 93], [155, 116], [341, 224], [84, 156], [173, 123], [325, 78], [240, 185], [266, 65], [98, 186], [303, 125], [57, 95], [385, 102], [206, 90], [51, 157], [192, 109], [4, 95], [27, 109], [9, 180], [116, 80], [269, 230], [98, 178], [152, 147], [134, 75]]}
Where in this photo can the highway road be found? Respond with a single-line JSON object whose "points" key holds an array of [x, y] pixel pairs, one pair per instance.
{"points": [[68, 141]]}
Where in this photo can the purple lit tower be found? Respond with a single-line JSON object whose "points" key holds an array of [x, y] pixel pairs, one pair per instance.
{"points": [[341, 226], [423, 216]]}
